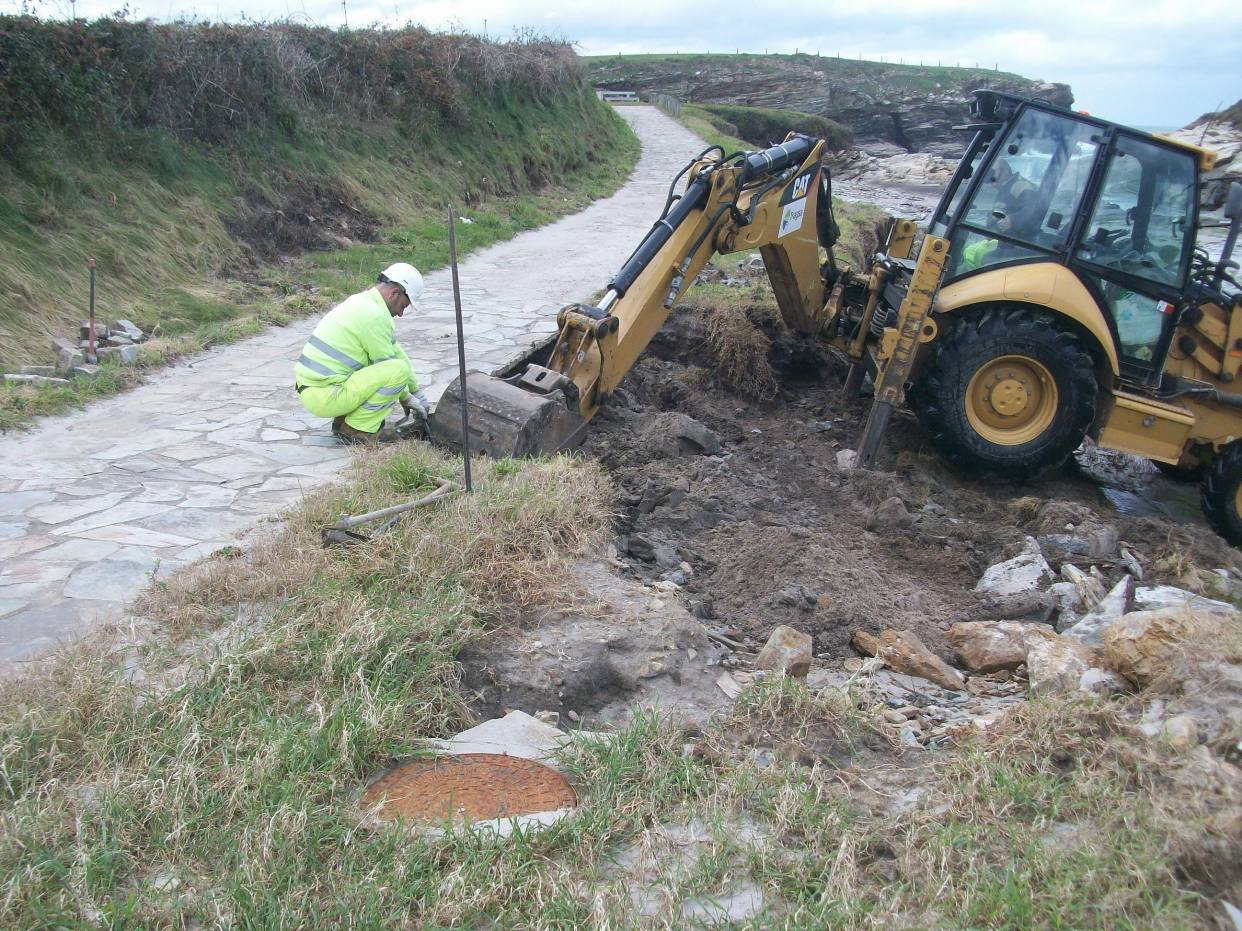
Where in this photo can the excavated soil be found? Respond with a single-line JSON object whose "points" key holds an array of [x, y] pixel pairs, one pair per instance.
{"points": [[773, 531]]}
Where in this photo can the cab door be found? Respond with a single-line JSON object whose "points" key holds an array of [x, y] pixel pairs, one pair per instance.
{"points": [[1135, 248]]}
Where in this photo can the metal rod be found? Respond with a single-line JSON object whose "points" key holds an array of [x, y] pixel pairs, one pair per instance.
{"points": [[90, 340], [461, 348], [345, 523]]}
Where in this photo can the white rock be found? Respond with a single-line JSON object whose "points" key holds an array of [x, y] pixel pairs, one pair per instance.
{"points": [[1181, 731], [1028, 572], [846, 459], [1090, 628], [1156, 597]]}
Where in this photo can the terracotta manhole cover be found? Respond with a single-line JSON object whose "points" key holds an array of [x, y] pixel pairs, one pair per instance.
{"points": [[469, 786]]}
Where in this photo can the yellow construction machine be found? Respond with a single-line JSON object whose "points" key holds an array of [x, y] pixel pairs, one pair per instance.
{"points": [[1057, 293]]}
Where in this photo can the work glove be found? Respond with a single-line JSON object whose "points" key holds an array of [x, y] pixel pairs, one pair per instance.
{"points": [[416, 402]]}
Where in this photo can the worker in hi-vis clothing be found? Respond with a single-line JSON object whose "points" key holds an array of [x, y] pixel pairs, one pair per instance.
{"points": [[352, 369]]}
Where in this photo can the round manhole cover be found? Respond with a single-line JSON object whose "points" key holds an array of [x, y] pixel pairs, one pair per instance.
{"points": [[469, 786]]}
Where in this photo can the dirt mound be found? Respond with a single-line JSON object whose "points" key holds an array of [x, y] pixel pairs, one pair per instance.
{"points": [[773, 531]]}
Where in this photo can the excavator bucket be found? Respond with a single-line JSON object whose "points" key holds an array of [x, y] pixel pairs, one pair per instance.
{"points": [[508, 420]]}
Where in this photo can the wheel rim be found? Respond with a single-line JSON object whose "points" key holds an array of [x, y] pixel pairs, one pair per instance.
{"points": [[1011, 400], [1237, 502]]}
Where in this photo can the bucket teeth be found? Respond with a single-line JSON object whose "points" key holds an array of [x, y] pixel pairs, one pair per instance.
{"points": [[505, 420]]}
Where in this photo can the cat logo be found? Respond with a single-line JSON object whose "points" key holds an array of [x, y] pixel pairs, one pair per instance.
{"points": [[800, 185]]}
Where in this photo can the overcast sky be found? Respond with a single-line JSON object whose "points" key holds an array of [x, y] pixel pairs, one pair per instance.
{"points": [[1145, 62]]}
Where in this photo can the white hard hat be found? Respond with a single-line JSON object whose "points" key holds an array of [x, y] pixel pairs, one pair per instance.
{"points": [[407, 277]]}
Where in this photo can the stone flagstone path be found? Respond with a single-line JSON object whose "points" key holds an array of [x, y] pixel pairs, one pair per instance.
{"points": [[95, 504]]}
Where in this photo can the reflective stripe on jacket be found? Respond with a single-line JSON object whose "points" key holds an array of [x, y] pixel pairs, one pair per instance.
{"points": [[355, 333]]}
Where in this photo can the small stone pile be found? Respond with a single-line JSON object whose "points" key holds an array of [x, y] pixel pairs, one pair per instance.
{"points": [[118, 341]]}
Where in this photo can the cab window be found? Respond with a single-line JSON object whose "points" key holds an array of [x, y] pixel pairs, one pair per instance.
{"points": [[1143, 221], [1036, 180]]}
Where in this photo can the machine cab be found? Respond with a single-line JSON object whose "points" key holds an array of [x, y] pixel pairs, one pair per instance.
{"points": [[1119, 207]]}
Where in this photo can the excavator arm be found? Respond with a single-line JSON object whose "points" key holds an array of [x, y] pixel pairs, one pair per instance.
{"points": [[776, 201]]}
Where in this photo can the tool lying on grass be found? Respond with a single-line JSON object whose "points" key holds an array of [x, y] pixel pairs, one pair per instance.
{"points": [[343, 530]]}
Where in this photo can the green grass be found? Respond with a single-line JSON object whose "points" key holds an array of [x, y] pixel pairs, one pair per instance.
{"points": [[763, 126]]}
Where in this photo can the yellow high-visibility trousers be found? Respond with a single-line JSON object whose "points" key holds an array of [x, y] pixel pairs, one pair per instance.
{"points": [[364, 399]]}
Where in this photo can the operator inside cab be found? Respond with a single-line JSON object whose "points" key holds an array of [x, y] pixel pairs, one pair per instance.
{"points": [[353, 370]]}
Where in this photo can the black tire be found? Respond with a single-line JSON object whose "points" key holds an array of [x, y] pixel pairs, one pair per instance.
{"points": [[1218, 495], [1179, 473], [1046, 353]]}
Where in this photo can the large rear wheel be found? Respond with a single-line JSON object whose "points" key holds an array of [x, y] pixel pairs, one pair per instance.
{"points": [[1220, 495], [1010, 392]]}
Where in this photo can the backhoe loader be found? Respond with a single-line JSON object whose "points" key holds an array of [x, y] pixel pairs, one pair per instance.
{"points": [[1056, 294]]}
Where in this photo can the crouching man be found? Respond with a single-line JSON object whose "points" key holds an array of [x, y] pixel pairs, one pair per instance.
{"points": [[352, 369]]}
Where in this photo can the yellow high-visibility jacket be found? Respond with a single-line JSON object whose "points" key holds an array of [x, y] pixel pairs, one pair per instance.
{"points": [[355, 333]]}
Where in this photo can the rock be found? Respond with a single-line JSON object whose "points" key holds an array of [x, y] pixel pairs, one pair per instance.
{"points": [[1096, 542], [1089, 589], [44, 371], [1056, 665], [124, 355], [787, 651], [119, 339], [1102, 682], [902, 651], [85, 370], [59, 345], [128, 329], [33, 380], [985, 646], [1181, 731], [68, 358], [819, 426], [1155, 597], [890, 514], [676, 434], [1145, 646], [84, 330], [1030, 607], [1116, 603], [846, 459], [1026, 572], [1069, 606], [1133, 566]]}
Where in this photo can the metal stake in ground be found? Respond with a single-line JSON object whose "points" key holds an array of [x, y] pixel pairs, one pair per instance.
{"points": [[90, 342], [461, 347]]}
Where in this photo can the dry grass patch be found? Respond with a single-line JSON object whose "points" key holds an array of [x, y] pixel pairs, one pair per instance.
{"points": [[209, 776]]}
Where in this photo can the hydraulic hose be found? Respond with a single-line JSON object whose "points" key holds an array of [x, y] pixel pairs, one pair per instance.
{"points": [[770, 161]]}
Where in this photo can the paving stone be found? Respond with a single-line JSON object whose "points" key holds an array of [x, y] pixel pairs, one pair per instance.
{"points": [[57, 512], [19, 546], [274, 435], [127, 511], [148, 440], [235, 466], [209, 496], [117, 578], [12, 529], [32, 571], [9, 605], [135, 536], [78, 551], [16, 503], [189, 452]]}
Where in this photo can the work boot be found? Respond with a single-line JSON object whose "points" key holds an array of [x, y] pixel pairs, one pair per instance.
{"points": [[353, 435], [337, 423]]}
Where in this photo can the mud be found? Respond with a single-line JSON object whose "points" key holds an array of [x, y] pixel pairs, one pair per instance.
{"points": [[774, 532]]}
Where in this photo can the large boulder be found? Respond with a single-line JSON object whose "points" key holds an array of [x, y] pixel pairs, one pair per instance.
{"points": [[1056, 665], [1146, 646], [985, 647]]}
